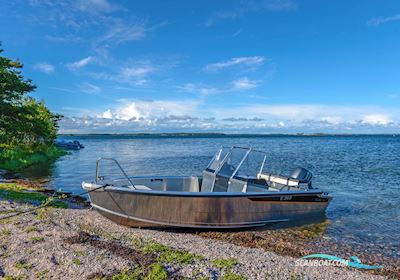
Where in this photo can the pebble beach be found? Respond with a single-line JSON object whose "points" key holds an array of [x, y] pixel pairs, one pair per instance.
{"points": [[78, 243]]}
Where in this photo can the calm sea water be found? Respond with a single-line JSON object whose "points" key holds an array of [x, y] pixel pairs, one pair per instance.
{"points": [[361, 172]]}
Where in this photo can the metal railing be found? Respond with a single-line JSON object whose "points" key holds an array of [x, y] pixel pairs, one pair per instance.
{"points": [[119, 166]]}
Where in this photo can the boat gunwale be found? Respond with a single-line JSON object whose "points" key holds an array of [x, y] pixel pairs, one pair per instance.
{"points": [[92, 186]]}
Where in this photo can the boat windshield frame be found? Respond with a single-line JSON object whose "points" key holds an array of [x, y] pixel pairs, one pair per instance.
{"points": [[216, 163]]}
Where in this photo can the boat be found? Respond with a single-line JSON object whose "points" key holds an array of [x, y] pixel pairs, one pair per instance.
{"points": [[233, 191], [68, 145]]}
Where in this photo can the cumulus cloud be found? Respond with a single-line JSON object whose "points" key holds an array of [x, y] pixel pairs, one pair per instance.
{"points": [[141, 110], [242, 119], [192, 115], [376, 119], [247, 61], [44, 67]]}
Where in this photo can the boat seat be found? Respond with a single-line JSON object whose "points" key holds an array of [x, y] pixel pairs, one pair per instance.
{"points": [[140, 187], [235, 185], [191, 184], [207, 184]]}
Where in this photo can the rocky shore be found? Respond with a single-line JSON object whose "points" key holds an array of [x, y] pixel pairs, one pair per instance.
{"points": [[77, 243]]}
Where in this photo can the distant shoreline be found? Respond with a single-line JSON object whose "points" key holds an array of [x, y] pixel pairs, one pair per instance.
{"points": [[221, 135]]}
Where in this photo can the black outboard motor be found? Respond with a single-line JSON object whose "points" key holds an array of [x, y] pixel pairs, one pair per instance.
{"points": [[303, 175]]}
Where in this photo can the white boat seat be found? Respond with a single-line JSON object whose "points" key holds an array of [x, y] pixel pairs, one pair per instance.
{"points": [[139, 187]]}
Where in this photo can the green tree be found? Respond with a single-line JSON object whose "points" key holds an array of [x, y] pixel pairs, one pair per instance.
{"points": [[23, 120]]}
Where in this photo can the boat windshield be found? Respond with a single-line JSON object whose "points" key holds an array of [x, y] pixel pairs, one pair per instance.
{"points": [[237, 162]]}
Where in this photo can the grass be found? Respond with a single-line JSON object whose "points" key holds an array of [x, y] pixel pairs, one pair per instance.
{"points": [[23, 265], [133, 274], [233, 276], [41, 274], [169, 255], [157, 272], [31, 229], [76, 261], [225, 263], [37, 239], [19, 277], [23, 194], [17, 158], [5, 232], [80, 253]]}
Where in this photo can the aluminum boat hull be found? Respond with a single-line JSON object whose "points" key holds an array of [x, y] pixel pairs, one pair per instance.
{"points": [[143, 208]]}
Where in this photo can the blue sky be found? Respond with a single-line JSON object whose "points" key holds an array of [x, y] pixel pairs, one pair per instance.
{"points": [[268, 66]]}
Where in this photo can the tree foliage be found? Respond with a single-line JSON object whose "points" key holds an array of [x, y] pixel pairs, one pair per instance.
{"points": [[23, 120]]}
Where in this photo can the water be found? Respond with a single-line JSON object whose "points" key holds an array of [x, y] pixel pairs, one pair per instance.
{"points": [[361, 172]]}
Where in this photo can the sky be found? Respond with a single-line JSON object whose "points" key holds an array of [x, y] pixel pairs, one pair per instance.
{"points": [[267, 66]]}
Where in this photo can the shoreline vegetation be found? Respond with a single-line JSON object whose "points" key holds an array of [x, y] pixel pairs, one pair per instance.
{"points": [[27, 127], [68, 240], [17, 158]]}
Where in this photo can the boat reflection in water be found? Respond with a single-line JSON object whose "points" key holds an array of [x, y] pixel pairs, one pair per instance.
{"points": [[234, 191]]}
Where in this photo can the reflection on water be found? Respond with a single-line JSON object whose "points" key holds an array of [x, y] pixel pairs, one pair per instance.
{"points": [[317, 224], [38, 171], [361, 172]]}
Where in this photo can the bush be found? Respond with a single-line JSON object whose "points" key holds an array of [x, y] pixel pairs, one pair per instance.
{"points": [[15, 158]]}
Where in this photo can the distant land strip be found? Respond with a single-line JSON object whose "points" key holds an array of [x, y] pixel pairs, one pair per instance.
{"points": [[217, 135]]}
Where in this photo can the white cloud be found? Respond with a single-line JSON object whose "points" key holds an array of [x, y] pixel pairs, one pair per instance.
{"points": [[221, 16], [193, 115], [274, 5], [382, 20], [245, 7], [121, 32], [147, 110], [140, 71], [80, 63], [89, 88], [376, 119], [97, 6], [332, 120], [64, 39], [248, 61], [89, 21], [136, 75], [44, 67], [244, 84], [199, 88], [107, 114]]}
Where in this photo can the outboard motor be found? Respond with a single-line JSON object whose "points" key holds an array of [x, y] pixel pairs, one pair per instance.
{"points": [[303, 175]]}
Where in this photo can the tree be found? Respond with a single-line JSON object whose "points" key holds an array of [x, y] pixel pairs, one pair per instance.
{"points": [[23, 120]]}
